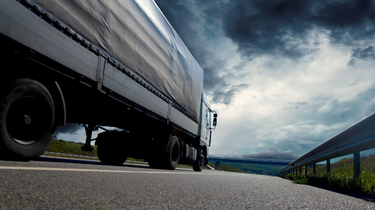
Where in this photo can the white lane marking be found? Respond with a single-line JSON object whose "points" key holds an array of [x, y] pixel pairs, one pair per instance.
{"points": [[92, 170]]}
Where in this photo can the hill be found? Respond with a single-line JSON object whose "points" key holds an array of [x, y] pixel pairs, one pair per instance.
{"points": [[248, 168]]}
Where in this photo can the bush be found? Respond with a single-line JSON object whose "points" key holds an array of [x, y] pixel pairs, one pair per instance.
{"points": [[346, 182], [341, 176]]}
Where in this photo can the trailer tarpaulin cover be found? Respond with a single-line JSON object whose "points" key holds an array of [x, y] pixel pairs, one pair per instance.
{"points": [[136, 33]]}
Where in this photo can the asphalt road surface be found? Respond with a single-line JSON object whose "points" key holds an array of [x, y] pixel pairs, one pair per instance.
{"points": [[59, 183]]}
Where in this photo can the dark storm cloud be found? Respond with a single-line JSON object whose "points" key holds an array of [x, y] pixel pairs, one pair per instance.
{"points": [[225, 96], [362, 54], [272, 153], [185, 22], [70, 128], [282, 27], [279, 28]]}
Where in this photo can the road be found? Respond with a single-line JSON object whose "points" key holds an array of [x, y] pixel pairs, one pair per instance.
{"points": [[61, 183]]}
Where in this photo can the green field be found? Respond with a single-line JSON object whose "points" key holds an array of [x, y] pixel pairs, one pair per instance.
{"points": [[341, 176]]}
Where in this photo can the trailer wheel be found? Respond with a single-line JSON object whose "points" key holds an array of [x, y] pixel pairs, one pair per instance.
{"points": [[198, 164], [173, 153], [205, 157], [27, 114], [111, 154], [169, 158]]}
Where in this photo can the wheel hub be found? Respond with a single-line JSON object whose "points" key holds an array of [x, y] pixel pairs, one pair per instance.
{"points": [[27, 119]]}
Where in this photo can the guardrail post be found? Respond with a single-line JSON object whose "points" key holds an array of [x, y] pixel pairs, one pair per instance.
{"points": [[328, 166], [305, 170], [356, 164], [314, 168], [217, 166]]}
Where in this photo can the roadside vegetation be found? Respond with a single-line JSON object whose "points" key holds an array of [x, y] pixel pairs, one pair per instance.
{"points": [[341, 176], [61, 146]]}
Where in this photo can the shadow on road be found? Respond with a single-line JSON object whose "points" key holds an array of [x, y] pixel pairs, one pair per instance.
{"points": [[93, 162], [363, 196], [86, 162]]}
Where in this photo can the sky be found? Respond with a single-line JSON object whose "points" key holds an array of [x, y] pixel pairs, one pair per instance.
{"points": [[283, 76]]}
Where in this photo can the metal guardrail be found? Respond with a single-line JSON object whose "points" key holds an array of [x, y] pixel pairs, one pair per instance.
{"points": [[273, 162], [353, 140]]}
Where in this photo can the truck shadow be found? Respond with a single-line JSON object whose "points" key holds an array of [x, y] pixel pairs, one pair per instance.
{"points": [[56, 159], [85, 162]]}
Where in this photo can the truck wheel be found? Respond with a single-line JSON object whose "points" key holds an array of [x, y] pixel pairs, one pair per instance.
{"points": [[111, 154], [205, 157], [198, 164], [173, 153], [27, 115], [169, 158]]}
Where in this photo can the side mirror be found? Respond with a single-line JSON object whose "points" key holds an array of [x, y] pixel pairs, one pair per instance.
{"points": [[215, 120]]}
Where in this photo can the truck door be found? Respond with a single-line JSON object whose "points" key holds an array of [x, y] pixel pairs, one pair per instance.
{"points": [[205, 123], [208, 123]]}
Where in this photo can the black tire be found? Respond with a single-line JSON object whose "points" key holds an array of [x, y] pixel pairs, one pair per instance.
{"points": [[198, 164], [173, 153], [205, 157], [111, 154], [27, 115], [169, 158]]}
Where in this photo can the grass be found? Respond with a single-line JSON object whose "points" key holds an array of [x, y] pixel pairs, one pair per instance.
{"points": [[61, 146], [341, 176]]}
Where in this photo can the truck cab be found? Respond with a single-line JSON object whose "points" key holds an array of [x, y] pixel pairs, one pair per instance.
{"points": [[207, 124]]}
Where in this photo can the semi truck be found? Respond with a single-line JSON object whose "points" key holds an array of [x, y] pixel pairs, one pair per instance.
{"points": [[101, 63]]}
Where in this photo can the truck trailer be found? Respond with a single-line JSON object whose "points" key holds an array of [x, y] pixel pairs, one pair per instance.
{"points": [[101, 63]]}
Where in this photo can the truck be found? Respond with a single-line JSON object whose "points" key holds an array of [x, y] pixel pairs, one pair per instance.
{"points": [[101, 63]]}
